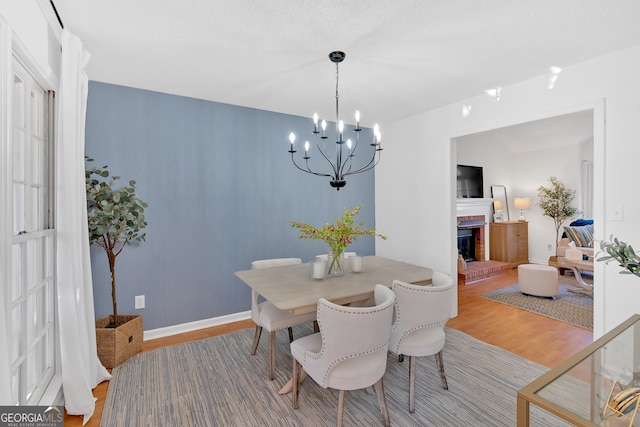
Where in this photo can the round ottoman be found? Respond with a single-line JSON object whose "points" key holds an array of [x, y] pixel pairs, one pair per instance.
{"points": [[538, 280]]}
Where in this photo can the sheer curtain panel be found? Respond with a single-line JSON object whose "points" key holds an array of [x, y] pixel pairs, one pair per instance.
{"points": [[81, 368]]}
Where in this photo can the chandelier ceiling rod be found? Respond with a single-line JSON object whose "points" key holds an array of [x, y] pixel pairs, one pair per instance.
{"points": [[343, 165]]}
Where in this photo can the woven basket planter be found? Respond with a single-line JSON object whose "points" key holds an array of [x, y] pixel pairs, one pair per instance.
{"points": [[115, 345]]}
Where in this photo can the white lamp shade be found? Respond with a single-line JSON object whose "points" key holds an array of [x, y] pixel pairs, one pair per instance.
{"points": [[497, 205], [522, 203]]}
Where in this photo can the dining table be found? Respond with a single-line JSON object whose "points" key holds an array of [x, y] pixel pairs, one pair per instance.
{"points": [[292, 288]]}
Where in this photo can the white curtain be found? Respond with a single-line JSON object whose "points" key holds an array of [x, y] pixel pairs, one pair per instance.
{"points": [[81, 368]]}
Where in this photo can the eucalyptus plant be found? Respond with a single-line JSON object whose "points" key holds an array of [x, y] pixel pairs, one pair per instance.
{"points": [[115, 217], [555, 202], [623, 253]]}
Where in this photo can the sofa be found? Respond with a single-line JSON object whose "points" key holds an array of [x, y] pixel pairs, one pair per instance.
{"points": [[576, 242]]}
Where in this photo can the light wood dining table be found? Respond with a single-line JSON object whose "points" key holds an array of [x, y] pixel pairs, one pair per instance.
{"points": [[291, 287]]}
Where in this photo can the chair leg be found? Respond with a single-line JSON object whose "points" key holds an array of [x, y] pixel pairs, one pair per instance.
{"points": [[290, 335], [401, 358], [340, 408], [382, 402], [412, 384], [256, 340], [272, 355], [440, 364], [296, 384], [316, 328]]}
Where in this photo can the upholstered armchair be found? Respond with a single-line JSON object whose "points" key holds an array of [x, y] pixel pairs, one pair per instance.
{"points": [[350, 351]]}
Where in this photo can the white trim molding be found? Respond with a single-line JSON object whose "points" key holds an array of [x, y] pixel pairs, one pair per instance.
{"points": [[194, 326]]}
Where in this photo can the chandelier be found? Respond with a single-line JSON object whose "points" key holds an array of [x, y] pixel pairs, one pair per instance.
{"points": [[341, 163]]}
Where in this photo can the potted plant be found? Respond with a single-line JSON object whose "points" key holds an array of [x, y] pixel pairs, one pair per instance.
{"points": [[338, 236], [623, 253], [115, 219], [555, 202]]}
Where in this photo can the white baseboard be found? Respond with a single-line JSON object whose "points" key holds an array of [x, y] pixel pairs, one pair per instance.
{"points": [[194, 326]]}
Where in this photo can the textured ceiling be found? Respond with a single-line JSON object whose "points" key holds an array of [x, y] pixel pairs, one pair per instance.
{"points": [[403, 56]]}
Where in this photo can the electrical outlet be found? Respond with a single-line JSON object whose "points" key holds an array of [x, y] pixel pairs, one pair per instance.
{"points": [[139, 302]]}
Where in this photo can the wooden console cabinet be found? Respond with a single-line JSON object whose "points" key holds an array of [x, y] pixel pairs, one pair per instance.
{"points": [[509, 242]]}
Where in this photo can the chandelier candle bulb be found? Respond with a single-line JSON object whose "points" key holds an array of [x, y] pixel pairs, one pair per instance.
{"points": [[292, 138], [306, 149], [315, 122], [340, 130], [357, 120], [324, 129]]}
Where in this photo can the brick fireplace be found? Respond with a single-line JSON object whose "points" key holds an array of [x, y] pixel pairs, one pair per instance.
{"points": [[473, 216], [471, 237]]}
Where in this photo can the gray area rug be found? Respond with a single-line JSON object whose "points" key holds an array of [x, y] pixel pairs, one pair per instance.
{"points": [[215, 382], [576, 309]]}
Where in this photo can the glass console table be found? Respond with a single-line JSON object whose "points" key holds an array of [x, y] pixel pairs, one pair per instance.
{"points": [[580, 388]]}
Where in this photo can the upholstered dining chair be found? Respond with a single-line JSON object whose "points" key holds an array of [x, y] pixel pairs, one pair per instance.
{"points": [[349, 352], [266, 316], [418, 328]]}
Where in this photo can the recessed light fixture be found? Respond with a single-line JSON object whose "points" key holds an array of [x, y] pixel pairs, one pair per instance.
{"points": [[495, 93], [554, 76]]}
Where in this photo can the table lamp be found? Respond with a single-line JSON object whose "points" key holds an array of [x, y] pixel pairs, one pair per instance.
{"points": [[497, 206], [522, 203]]}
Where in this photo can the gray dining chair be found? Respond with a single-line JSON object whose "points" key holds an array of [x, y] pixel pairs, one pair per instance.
{"points": [[267, 316], [349, 352], [418, 329]]}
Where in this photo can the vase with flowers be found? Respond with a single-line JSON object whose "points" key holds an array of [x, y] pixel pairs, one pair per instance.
{"points": [[338, 236]]}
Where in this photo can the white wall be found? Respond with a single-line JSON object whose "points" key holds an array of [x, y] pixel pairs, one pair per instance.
{"points": [[415, 200]]}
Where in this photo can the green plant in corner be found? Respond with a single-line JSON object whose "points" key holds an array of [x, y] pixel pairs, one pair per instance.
{"points": [[623, 253], [338, 235], [115, 217], [555, 202]]}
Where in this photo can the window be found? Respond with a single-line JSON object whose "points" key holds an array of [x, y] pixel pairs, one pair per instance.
{"points": [[30, 296]]}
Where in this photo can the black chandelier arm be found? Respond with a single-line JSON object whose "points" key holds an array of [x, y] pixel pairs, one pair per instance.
{"points": [[308, 169], [369, 165], [333, 166]]}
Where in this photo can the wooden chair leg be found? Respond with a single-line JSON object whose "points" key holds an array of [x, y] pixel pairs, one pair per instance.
{"points": [[382, 402], [412, 384], [290, 334], [296, 384], [440, 364], [340, 408], [256, 340], [316, 328], [272, 355]]}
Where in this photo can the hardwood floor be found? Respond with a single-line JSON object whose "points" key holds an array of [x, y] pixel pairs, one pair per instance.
{"points": [[534, 337]]}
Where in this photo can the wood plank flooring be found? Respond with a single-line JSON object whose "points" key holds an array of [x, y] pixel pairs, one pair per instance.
{"points": [[534, 337]]}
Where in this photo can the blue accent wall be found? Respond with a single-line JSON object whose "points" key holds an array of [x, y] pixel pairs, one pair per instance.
{"points": [[221, 190]]}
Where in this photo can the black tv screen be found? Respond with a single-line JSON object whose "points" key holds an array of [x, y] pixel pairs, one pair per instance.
{"points": [[469, 182]]}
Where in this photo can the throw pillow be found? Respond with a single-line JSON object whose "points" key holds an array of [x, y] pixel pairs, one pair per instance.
{"points": [[582, 236]]}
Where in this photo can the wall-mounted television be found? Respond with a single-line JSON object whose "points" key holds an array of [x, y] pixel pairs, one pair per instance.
{"points": [[469, 183]]}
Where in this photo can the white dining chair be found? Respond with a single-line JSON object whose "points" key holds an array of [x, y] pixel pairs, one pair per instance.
{"points": [[418, 329], [349, 352], [266, 315]]}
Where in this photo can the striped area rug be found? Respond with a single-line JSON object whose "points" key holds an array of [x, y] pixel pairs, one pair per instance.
{"points": [[215, 382], [568, 307]]}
